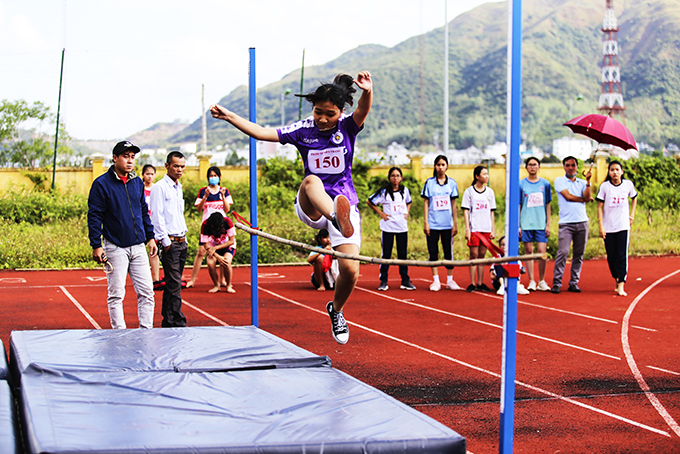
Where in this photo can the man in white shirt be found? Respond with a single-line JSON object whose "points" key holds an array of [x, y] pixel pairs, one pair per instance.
{"points": [[170, 229], [572, 195]]}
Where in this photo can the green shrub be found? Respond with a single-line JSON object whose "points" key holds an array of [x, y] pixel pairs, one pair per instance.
{"points": [[36, 207]]}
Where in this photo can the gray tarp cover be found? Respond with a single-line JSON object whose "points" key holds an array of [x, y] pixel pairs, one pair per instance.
{"points": [[8, 438], [155, 394], [3, 363]]}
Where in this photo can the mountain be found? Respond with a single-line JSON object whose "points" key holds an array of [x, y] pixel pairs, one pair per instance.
{"points": [[562, 54], [156, 135]]}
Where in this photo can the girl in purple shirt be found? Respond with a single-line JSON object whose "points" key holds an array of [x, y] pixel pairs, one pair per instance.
{"points": [[327, 198]]}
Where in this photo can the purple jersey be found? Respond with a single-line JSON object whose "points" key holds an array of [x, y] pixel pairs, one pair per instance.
{"points": [[326, 154]]}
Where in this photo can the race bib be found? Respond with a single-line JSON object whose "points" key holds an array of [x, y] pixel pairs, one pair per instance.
{"points": [[535, 199], [397, 208], [329, 161], [482, 206], [441, 203], [617, 200]]}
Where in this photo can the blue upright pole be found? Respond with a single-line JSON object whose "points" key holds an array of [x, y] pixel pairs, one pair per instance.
{"points": [[252, 92], [511, 223]]}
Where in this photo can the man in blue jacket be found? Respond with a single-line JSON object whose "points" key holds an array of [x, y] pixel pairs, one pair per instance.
{"points": [[117, 211]]}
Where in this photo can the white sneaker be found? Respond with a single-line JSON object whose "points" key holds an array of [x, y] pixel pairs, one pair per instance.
{"points": [[435, 287], [501, 290], [451, 285], [531, 286], [521, 290], [543, 286]]}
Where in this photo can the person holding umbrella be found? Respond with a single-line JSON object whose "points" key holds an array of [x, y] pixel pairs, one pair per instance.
{"points": [[572, 195]]}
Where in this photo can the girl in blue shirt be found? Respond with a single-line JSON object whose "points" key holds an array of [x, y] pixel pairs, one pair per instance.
{"points": [[440, 193]]}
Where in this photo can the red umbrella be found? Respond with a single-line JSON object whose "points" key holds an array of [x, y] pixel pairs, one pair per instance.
{"points": [[603, 129]]}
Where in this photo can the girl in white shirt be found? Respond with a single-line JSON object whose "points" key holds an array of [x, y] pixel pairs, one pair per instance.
{"points": [[614, 218], [395, 199], [479, 204]]}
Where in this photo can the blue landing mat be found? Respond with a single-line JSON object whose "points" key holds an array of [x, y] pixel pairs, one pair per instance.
{"points": [[204, 390], [204, 348]]}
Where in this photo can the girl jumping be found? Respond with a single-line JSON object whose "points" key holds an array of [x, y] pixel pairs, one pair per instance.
{"points": [[327, 198], [479, 204]]}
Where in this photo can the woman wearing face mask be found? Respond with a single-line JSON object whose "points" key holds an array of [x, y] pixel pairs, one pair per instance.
{"points": [[212, 198]]}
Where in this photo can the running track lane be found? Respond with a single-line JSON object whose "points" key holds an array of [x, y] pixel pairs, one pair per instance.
{"points": [[446, 376]]}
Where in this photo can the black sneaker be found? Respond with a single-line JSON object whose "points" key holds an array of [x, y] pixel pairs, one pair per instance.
{"points": [[341, 218], [471, 288], [574, 288], [483, 288], [408, 285], [383, 286], [555, 289], [338, 324]]}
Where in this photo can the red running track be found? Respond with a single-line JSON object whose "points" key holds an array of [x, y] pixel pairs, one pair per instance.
{"points": [[595, 372]]}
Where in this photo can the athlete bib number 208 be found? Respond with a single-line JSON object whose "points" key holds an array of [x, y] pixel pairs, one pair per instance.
{"points": [[330, 160]]}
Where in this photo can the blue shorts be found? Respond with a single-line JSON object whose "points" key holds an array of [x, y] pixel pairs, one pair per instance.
{"points": [[534, 236]]}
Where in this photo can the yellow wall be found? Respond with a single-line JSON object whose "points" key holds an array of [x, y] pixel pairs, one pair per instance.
{"points": [[78, 180]]}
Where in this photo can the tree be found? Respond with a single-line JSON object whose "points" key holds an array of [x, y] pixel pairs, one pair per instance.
{"points": [[22, 143]]}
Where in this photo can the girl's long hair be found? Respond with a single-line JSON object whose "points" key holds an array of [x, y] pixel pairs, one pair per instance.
{"points": [[436, 160], [215, 225], [148, 166], [388, 187], [213, 169], [611, 163], [475, 173], [339, 92]]}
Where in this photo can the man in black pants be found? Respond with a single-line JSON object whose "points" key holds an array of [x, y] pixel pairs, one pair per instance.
{"points": [[170, 229]]}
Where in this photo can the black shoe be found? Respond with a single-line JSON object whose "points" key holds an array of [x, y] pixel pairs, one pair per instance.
{"points": [[159, 285], [383, 286], [574, 288], [483, 288], [555, 289], [408, 285], [471, 288], [338, 324]]}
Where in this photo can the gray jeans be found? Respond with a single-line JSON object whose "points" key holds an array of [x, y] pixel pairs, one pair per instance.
{"points": [[135, 261], [568, 233]]}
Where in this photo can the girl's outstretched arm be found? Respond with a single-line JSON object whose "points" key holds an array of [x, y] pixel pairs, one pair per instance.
{"points": [[253, 130], [364, 82]]}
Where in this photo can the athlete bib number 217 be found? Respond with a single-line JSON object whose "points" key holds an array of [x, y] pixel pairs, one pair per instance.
{"points": [[330, 160]]}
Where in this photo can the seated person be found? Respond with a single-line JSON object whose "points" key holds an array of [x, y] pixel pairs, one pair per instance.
{"points": [[326, 268], [497, 271], [219, 237]]}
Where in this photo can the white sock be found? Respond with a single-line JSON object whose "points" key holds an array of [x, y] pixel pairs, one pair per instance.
{"points": [[449, 279], [435, 278]]}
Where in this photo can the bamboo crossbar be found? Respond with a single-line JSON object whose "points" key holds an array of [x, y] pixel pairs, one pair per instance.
{"points": [[381, 261]]}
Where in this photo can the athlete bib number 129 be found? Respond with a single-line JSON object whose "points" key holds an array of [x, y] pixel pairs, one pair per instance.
{"points": [[330, 160]]}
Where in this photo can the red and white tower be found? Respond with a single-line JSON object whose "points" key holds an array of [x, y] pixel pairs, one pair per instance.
{"points": [[611, 98]]}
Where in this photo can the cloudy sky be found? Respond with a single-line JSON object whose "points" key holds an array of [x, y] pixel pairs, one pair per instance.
{"points": [[131, 64]]}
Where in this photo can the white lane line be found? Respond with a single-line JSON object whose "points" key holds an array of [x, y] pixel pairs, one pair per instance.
{"points": [[80, 308], [524, 333], [479, 369], [664, 370], [201, 311], [577, 314], [633, 365]]}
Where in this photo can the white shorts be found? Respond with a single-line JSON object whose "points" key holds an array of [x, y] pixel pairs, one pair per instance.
{"points": [[335, 236]]}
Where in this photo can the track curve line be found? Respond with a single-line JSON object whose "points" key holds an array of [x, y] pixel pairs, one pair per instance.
{"points": [[658, 406]]}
